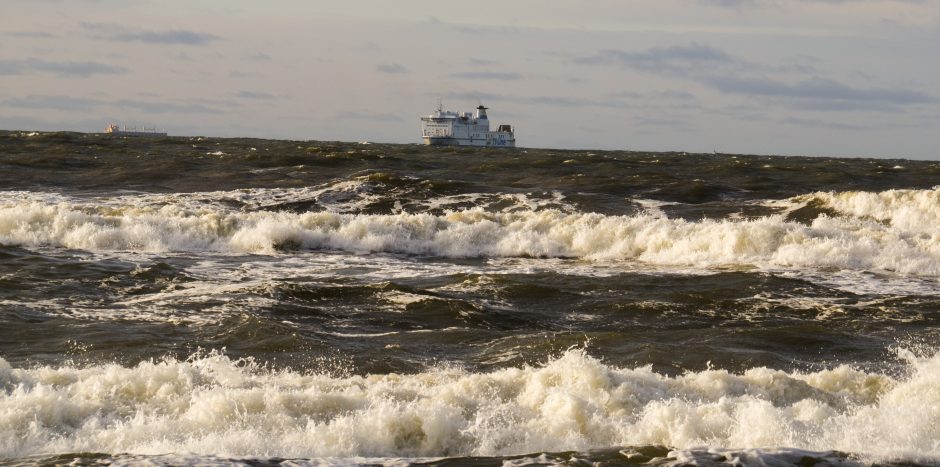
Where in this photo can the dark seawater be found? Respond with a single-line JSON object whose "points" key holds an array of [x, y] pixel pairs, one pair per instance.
{"points": [[252, 302]]}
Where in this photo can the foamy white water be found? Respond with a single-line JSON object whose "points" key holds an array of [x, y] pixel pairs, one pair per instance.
{"points": [[211, 405], [906, 210], [897, 234]]}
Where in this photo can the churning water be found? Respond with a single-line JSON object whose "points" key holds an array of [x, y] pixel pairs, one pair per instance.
{"points": [[230, 301]]}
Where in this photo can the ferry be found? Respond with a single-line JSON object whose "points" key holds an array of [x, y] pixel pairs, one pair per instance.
{"points": [[114, 129], [446, 128]]}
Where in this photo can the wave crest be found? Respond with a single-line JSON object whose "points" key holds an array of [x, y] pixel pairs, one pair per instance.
{"points": [[908, 210], [850, 243], [212, 405]]}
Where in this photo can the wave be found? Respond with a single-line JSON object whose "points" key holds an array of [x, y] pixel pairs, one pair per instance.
{"points": [[212, 405], [907, 210], [176, 224]]}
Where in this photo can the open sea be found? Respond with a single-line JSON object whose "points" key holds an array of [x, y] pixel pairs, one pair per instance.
{"points": [[206, 301]]}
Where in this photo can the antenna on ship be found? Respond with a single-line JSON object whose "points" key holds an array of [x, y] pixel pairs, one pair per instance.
{"points": [[440, 104]]}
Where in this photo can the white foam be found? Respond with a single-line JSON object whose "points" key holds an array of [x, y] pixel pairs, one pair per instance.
{"points": [[770, 242], [499, 202], [892, 232], [211, 405], [915, 211], [654, 207]]}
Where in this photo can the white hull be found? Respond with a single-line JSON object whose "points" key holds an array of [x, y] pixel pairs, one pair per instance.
{"points": [[504, 140], [136, 133]]}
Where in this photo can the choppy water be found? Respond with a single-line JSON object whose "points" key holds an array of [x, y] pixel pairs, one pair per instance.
{"points": [[211, 301]]}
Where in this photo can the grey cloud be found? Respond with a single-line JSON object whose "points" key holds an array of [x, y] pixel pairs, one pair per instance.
{"points": [[694, 58], [479, 29], [827, 124], [258, 57], [628, 95], [817, 89], [117, 33], [32, 34], [74, 104], [677, 95], [165, 107], [775, 3], [482, 61], [557, 101], [492, 75], [570, 102], [802, 64], [212, 102], [391, 68], [729, 3], [796, 68], [475, 29], [255, 95], [78, 104], [674, 123], [656, 96], [675, 59], [835, 105], [374, 117], [721, 71], [175, 36], [34, 65]]}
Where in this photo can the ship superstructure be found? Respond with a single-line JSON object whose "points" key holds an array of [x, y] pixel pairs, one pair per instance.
{"points": [[114, 129], [445, 128]]}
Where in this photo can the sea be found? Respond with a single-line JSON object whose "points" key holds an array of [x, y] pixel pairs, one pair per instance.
{"points": [[210, 301]]}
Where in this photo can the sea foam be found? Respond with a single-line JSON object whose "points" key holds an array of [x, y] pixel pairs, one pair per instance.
{"points": [[882, 232], [907, 210], [212, 405]]}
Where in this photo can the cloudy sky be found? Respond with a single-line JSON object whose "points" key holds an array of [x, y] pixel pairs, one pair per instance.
{"points": [[812, 77]]}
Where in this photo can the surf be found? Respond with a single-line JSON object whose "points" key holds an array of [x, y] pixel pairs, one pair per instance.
{"points": [[210, 404], [892, 235]]}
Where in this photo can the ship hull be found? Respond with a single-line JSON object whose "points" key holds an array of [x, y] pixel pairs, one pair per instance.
{"points": [[477, 142], [135, 133]]}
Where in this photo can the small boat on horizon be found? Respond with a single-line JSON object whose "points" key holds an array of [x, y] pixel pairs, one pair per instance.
{"points": [[114, 129]]}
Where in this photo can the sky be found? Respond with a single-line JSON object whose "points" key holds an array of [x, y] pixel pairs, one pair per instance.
{"points": [[793, 77]]}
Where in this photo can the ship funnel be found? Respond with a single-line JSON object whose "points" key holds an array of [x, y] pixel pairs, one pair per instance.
{"points": [[481, 112]]}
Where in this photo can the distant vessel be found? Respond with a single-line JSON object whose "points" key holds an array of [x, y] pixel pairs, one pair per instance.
{"points": [[114, 129], [445, 128]]}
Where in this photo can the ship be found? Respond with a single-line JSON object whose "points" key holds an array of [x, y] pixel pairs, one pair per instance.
{"points": [[446, 128], [114, 129]]}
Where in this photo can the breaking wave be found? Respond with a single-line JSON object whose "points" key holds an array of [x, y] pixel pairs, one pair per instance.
{"points": [[212, 405], [891, 231], [908, 210]]}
